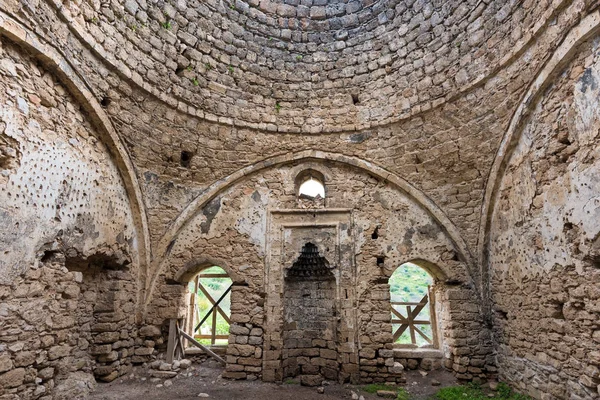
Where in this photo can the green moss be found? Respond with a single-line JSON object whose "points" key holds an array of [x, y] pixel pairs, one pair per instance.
{"points": [[474, 392], [401, 393], [374, 387]]}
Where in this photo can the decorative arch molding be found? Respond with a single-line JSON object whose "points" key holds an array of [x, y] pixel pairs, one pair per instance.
{"points": [[58, 65], [589, 26], [171, 236]]}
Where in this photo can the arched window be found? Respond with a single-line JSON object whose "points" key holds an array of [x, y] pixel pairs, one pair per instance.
{"points": [[310, 184], [312, 188], [210, 306], [413, 314]]}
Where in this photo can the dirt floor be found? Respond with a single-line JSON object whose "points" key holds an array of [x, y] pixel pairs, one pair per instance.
{"points": [[204, 381]]}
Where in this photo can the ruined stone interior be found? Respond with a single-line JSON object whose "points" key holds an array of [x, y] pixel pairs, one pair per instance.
{"points": [[142, 141]]}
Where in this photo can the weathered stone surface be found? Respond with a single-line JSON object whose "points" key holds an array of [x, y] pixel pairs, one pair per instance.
{"points": [[206, 117], [163, 374], [76, 385], [150, 331], [387, 394], [12, 378], [5, 363]]}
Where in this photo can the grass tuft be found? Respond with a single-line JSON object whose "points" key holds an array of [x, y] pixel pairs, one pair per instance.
{"points": [[473, 391]]}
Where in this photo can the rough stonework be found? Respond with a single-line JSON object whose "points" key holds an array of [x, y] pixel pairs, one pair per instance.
{"points": [[142, 142], [545, 257]]}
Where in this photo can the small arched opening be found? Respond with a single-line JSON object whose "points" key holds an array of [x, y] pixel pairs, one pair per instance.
{"points": [[209, 309], [310, 185], [412, 303]]}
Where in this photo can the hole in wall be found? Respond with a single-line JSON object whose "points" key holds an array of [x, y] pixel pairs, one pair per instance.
{"points": [[355, 99], [375, 233], [48, 255], [105, 102], [557, 310], [502, 314], [380, 261], [412, 309], [185, 159]]}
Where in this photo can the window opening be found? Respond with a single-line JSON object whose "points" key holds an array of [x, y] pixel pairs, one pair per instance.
{"points": [[210, 306], [412, 307], [312, 188]]}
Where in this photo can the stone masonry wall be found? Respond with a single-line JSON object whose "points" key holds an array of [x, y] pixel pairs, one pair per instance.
{"points": [[310, 331], [68, 268], [233, 226], [457, 133], [545, 249]]}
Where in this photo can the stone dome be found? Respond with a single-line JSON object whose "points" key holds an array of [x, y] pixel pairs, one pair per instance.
{"points": [[308, 65]]}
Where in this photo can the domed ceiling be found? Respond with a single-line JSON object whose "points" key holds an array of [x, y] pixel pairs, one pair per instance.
{"points": [[309, 65]]}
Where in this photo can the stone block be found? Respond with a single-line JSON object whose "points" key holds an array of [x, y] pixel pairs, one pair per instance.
{"points": [[234, 375], [150, 331], [12, 378], [163, 374], [330, 354], [59, 352], [143, 351], [367, 353], [107, 337], [311, 380], [46, 373], [5, 363]]}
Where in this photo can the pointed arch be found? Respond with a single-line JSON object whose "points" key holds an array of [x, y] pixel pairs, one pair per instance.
{"points": [[62, 69], [588, 26], [168, 240]]}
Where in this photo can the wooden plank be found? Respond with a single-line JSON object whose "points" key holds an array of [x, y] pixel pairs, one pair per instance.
{"points": [[202, 347], [415, 322], [432, 316], [210, 336], [407, 303], [400, 331], [213, 275], [214, 326], [413, 339], [422, 334], [172, 341], [418, 309], [396, 313], [179, 344], [192, 307]]}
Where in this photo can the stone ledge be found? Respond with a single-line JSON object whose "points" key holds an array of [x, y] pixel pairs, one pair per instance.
{"points": [[417, 353]]}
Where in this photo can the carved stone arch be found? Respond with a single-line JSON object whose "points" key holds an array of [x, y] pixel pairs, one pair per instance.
{"points": [[62, 69], [315, 168], [438, 272], [589, 26], [193, 267]]}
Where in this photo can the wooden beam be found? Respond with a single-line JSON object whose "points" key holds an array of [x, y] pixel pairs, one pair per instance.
{"points": [[172, 341], [215, 304], [202, 347]]}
